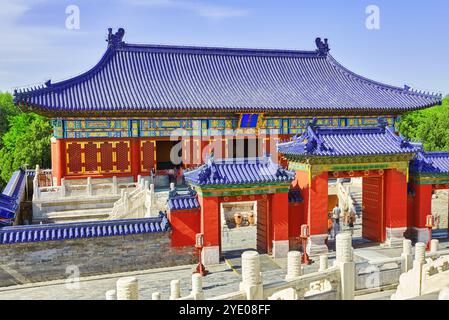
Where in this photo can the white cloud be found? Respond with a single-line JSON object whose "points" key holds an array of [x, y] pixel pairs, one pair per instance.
{"points": [[201, 9], [18, 39], [11, 10], [24, 46]]}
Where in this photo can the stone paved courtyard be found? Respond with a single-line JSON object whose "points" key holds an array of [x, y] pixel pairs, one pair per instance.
{"points": [[224, 278]]}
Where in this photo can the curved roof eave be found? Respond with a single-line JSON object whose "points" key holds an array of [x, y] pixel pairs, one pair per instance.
{"points": [[24, 97], [379, 84]]}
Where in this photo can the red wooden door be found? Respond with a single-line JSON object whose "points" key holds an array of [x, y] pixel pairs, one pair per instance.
{"points": [[263, 227], [373, 209]]}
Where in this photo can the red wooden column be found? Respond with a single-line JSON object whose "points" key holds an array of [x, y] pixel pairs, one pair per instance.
{"points": [[279, 220], [135, 157], [210, 227], [58, 159], [395, 206], [315, 193], [422, 206]]}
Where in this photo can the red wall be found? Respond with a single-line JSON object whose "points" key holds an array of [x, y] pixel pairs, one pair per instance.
{"points": [[296, 218], [210, 220], [395, 199], [185, 225], [279, 216], [422, 204], [410, 208]]}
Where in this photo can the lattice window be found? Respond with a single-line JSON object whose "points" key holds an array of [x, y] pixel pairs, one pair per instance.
{"points": [[91, 161], [106, 157], [122, 150], [74, 164], [147, 155]]}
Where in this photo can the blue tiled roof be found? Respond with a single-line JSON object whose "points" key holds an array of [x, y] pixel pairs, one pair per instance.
{"points": [[238, 171], [55, 232], [431, 162], [183, 202], [11, 196], [15, 184], [351, 141], [157, 77]]}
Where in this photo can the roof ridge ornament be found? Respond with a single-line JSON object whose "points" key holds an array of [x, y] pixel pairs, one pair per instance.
{"points": [[313, 123], [191, 192], [116, 40], [314, 141], [383, 123], [323, 47]]}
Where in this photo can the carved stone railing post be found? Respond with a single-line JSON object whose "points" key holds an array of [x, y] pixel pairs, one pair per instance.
{"points": [[175, 290], [293, 265], [127, 289], [407, 256], [152, 195], [346, 264], [111, 295], [114, 185], [197, 287], [251, 279], [420, 255], [62, 188], [126, 204], [139, 182], [324, 262], [444, 294], [434, 245], [36, 189], [89, 186], [156, 296]]}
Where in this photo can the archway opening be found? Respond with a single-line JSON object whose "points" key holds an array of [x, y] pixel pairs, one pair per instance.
{"points": [[238, 226], [360, 198], [440, 212]]}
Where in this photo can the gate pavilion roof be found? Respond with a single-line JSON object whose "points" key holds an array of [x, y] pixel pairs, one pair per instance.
{"points": [[239, 171], [347, 142]]}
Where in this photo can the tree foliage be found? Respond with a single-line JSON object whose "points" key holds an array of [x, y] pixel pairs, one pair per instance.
{"points": [[429, 126], [7, 110], [25, 140]]}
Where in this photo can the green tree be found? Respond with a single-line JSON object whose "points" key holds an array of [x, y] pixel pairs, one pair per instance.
{"points": [[27, 141], [429, 126], [7, 110]]}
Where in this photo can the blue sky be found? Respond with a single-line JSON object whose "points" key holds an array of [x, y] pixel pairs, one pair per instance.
{"points": [[410, 47]]}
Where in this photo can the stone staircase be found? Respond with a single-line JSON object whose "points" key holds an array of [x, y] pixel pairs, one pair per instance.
{"points": [[356, 195], [60, 210], [81, 215]]}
